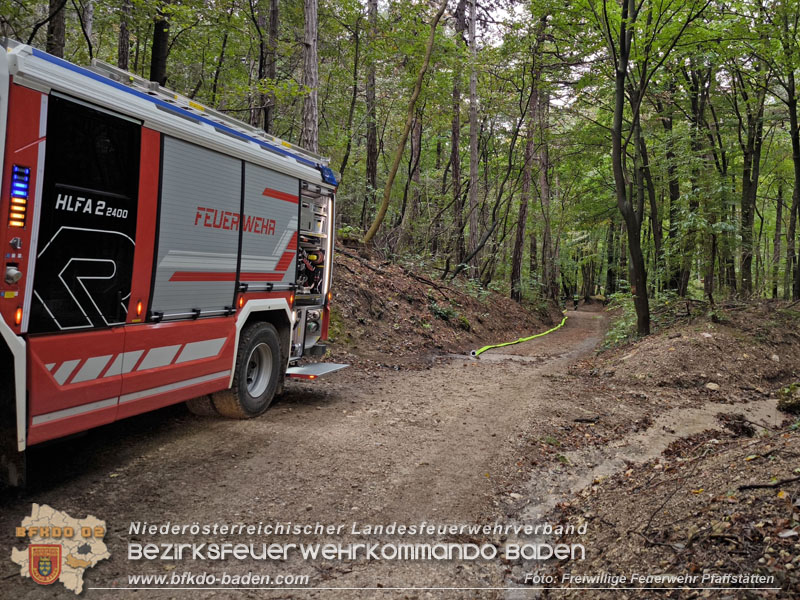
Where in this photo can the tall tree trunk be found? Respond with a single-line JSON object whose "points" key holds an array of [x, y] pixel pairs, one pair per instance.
{"points": [[776, 243], [459, 249], [412, 102], [673, 271], [372, 121], [751, 153], [796, 285], [218, 69], [87, 22], [541, 101], [794, 133], [533, 267], [353, 98], [729, 259], [697, 83], [124, 38], [522, 219], [655, 219], [631, 217], [158, 55], [555, 260], [56, 28], [622, 255], [88, 18], [411, 200], [611, 261], [790, 257], [268, 101], [473, 141], [220, 59], [309, 134]]}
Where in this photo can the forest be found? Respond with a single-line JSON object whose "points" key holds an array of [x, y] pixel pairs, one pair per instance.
{"points": [[644, 148]]}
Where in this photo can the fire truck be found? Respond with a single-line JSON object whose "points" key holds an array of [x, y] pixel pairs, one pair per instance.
{"points": [[155, 251]]}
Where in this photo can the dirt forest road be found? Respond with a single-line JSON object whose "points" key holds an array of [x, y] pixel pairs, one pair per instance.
{"points": [[439, 445]]}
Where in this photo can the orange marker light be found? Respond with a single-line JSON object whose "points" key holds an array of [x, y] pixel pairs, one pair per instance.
{"points": [[291, 300], [330, 295], [139, 308], [18, 316], [241, 301]]}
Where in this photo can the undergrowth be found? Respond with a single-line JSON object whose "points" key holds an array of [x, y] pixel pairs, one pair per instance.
{"points": [[665, 310]]}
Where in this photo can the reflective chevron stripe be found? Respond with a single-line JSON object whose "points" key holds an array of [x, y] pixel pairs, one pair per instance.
{"points": [[84, 408], [94, 367]]}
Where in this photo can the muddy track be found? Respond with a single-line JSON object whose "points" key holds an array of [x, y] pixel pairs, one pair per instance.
{"points": [[435, 445]]}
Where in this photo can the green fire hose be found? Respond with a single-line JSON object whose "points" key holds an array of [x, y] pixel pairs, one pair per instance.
{"points": [[520, 340]]}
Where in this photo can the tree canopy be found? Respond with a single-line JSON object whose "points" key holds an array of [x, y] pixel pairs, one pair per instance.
{"points": [[548, 149]]}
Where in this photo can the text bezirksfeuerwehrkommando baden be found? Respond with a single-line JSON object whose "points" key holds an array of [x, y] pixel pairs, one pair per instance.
{"points": [[333, 550]]}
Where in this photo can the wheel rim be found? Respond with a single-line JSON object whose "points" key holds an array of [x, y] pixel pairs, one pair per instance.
{"points": [[259, 370]]}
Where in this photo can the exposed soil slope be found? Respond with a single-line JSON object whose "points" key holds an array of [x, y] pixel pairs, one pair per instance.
{"points": [[386, 314]]}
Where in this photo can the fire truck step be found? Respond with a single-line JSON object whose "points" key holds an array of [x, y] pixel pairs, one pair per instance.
{"points": [[314, 370]]}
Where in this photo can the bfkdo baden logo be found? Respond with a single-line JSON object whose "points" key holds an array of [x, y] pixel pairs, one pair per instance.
{"points": [[61, 547], [44, 561]]}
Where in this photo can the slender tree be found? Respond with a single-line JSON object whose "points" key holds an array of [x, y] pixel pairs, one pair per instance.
{"points": [[309, 133], [160, 51], [473, 141], [372, 118], [124, 37], [56, 28]]}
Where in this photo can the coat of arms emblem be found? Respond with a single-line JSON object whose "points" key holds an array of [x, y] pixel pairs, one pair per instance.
{"points": [[45, 562]]}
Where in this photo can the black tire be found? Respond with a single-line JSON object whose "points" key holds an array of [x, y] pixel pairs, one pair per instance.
{"points": [[258, 368], [202, 406]]}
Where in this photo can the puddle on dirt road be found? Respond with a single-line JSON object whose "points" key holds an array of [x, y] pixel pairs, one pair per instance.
{"points": [[546, 488]]}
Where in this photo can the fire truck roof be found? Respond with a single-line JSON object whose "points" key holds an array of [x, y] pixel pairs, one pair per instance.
{"points": [[193, 111]]}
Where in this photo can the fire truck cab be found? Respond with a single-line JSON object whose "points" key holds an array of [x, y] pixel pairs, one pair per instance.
{"points": [[154, 251]]}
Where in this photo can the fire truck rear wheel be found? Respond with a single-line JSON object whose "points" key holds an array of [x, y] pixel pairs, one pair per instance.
{"points": [[257, 371]]}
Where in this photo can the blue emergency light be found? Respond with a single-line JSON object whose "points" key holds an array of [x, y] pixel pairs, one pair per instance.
{"points": [[20, 181]]}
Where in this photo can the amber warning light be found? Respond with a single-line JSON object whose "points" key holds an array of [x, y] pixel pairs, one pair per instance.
{"points": [[18, 317]]}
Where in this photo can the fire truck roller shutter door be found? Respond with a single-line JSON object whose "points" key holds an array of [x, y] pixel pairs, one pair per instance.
{"points": [[269, 225], [198, 236]]}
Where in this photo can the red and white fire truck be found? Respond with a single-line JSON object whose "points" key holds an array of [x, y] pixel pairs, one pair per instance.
{"points": [[155, 251]]}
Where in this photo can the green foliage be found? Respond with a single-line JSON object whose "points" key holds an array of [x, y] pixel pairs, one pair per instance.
{"points": [[474, 288], [443, 312], [623, 325], [337, 332], [349, 233], [447, 312], [789, 398], [214, 58]]}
